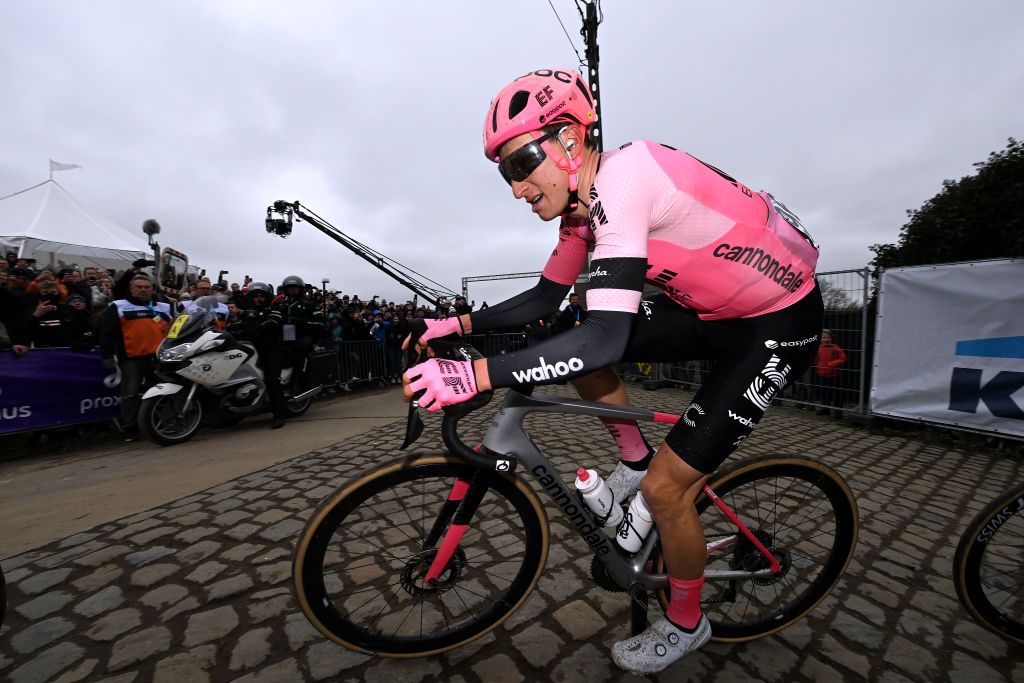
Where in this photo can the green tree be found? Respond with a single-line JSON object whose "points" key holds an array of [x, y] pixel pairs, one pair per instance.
{"points": [[980, 216], [835, 299]]}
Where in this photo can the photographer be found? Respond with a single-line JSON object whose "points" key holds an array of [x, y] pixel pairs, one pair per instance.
{"points": [[56, 324]]}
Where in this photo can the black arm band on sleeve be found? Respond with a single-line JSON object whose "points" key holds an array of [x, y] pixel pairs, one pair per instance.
{"points": [[599, 342], [535, 303]]}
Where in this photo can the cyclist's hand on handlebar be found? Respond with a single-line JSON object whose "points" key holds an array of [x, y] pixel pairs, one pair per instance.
{"points": [[424, 330], [443, 383]]}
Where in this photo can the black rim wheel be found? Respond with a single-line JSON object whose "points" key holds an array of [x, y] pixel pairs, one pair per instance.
{"points": [[989, 566], [807, 518], [361, 563]]}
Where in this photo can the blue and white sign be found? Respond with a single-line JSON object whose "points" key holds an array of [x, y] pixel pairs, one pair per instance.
{"points": [[949, 345]]}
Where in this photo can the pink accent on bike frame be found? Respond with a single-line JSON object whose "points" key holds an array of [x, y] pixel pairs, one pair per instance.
{"points": [[666, 417], [775, 566], [448, 546], [459, 489]]}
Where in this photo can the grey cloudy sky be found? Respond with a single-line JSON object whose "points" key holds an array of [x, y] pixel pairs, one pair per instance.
{"points": [[200, 113]]}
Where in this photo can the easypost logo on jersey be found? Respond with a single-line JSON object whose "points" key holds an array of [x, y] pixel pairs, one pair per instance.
{"points": [[772, 344], [547, 371]]}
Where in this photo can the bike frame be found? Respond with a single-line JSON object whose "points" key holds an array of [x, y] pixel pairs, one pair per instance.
{"points": [[507, 447]]}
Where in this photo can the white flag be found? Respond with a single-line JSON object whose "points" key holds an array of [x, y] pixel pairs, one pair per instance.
{"points": [[57, 166]]}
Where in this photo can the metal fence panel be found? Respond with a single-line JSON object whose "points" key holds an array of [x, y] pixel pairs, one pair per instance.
{"points": [[845, 293]]}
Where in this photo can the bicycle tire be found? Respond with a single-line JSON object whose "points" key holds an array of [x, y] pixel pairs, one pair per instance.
{"points": [[343, 512], [978, 586], [777, 616]]}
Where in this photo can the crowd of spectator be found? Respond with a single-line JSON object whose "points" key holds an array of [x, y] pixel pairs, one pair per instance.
{"points": [[63, 307], [51, 307]]}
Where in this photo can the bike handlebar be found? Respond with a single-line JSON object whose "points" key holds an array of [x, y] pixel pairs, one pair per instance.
{"points": [[460, 350]]}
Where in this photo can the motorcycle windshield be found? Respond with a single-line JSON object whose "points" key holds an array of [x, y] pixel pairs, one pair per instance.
{"points": [[188, 326]]}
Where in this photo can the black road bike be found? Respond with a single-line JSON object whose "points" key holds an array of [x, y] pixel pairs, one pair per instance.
{"points": [[430, 552]]}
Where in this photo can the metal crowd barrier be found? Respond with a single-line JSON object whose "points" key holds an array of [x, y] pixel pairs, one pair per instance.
{"points": [[363, 361], [845, 293], [369, 361]]}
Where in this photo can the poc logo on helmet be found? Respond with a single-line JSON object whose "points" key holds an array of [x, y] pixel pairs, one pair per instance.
{"points": [[547, 371]]}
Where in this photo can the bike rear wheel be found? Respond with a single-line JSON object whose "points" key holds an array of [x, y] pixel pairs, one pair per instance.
{"points": [[988, 567], [359, 567], [806, 516]]}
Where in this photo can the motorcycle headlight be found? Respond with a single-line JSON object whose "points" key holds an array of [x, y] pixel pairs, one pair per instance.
{"points": [[179, 352]]}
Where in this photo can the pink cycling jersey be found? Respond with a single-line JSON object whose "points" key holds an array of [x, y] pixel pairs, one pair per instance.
{"points": [[709, 242]]}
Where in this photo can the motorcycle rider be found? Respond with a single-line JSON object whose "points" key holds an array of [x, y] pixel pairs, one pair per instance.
{"points": [[299, 322], [259, 325]]}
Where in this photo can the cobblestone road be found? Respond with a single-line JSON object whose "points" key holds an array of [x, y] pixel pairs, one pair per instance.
{"points": [[199, 590]]}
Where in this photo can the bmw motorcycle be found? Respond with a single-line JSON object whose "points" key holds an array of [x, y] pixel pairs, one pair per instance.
{"points": [[207, 371]]}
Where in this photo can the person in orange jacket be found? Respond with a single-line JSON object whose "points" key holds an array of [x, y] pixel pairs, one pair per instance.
{"points": [[826, 370]]}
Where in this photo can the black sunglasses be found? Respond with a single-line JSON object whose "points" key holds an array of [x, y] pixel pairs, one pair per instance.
{"points": [[521, 163]]}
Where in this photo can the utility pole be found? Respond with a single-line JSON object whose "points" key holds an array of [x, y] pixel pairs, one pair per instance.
{"points": [[589, 32]]}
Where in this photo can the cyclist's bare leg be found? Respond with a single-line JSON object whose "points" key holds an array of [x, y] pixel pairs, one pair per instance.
{"points": [[604, 386], [670, 489]]}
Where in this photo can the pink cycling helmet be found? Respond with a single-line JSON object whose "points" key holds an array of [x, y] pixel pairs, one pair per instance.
{"points": [[533, 101]]}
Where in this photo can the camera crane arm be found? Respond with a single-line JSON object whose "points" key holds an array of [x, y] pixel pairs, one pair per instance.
{"points": [[281, 214]]}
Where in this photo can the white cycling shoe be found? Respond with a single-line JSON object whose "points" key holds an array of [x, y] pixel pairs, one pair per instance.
{"points": [[659, 646], [624, 482]]}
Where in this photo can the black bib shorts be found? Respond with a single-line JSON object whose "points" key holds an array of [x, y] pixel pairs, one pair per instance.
{"points": [[752, 360]]}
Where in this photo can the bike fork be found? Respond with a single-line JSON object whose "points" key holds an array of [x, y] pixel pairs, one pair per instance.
{"points": [[463, 501]]}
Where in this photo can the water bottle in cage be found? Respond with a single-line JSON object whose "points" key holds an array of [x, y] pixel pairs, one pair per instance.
{"points": [[598, 497], [636, 525]]}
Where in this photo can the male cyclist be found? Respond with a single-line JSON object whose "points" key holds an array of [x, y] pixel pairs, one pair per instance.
{"points": [[736, 270]]}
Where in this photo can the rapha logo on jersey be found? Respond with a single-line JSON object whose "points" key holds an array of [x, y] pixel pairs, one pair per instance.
{"points": [[546, 371], [763, 262], [737, 442], [692, 421], [745, 421], [597, 272], [771, 380]]}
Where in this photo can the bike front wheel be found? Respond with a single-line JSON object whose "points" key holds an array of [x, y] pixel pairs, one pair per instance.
{"points": [[803, 513], [360, 565], [988, 567]]}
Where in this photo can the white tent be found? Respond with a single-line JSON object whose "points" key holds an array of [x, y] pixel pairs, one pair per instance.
{"points": [[44, 222]]}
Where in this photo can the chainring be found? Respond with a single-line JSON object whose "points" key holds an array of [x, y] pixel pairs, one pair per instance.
{"points": [[602, 578]]}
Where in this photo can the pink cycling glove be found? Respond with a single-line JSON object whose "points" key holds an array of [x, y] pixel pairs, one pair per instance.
{"points": [[441, 328], [446, 382]]}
